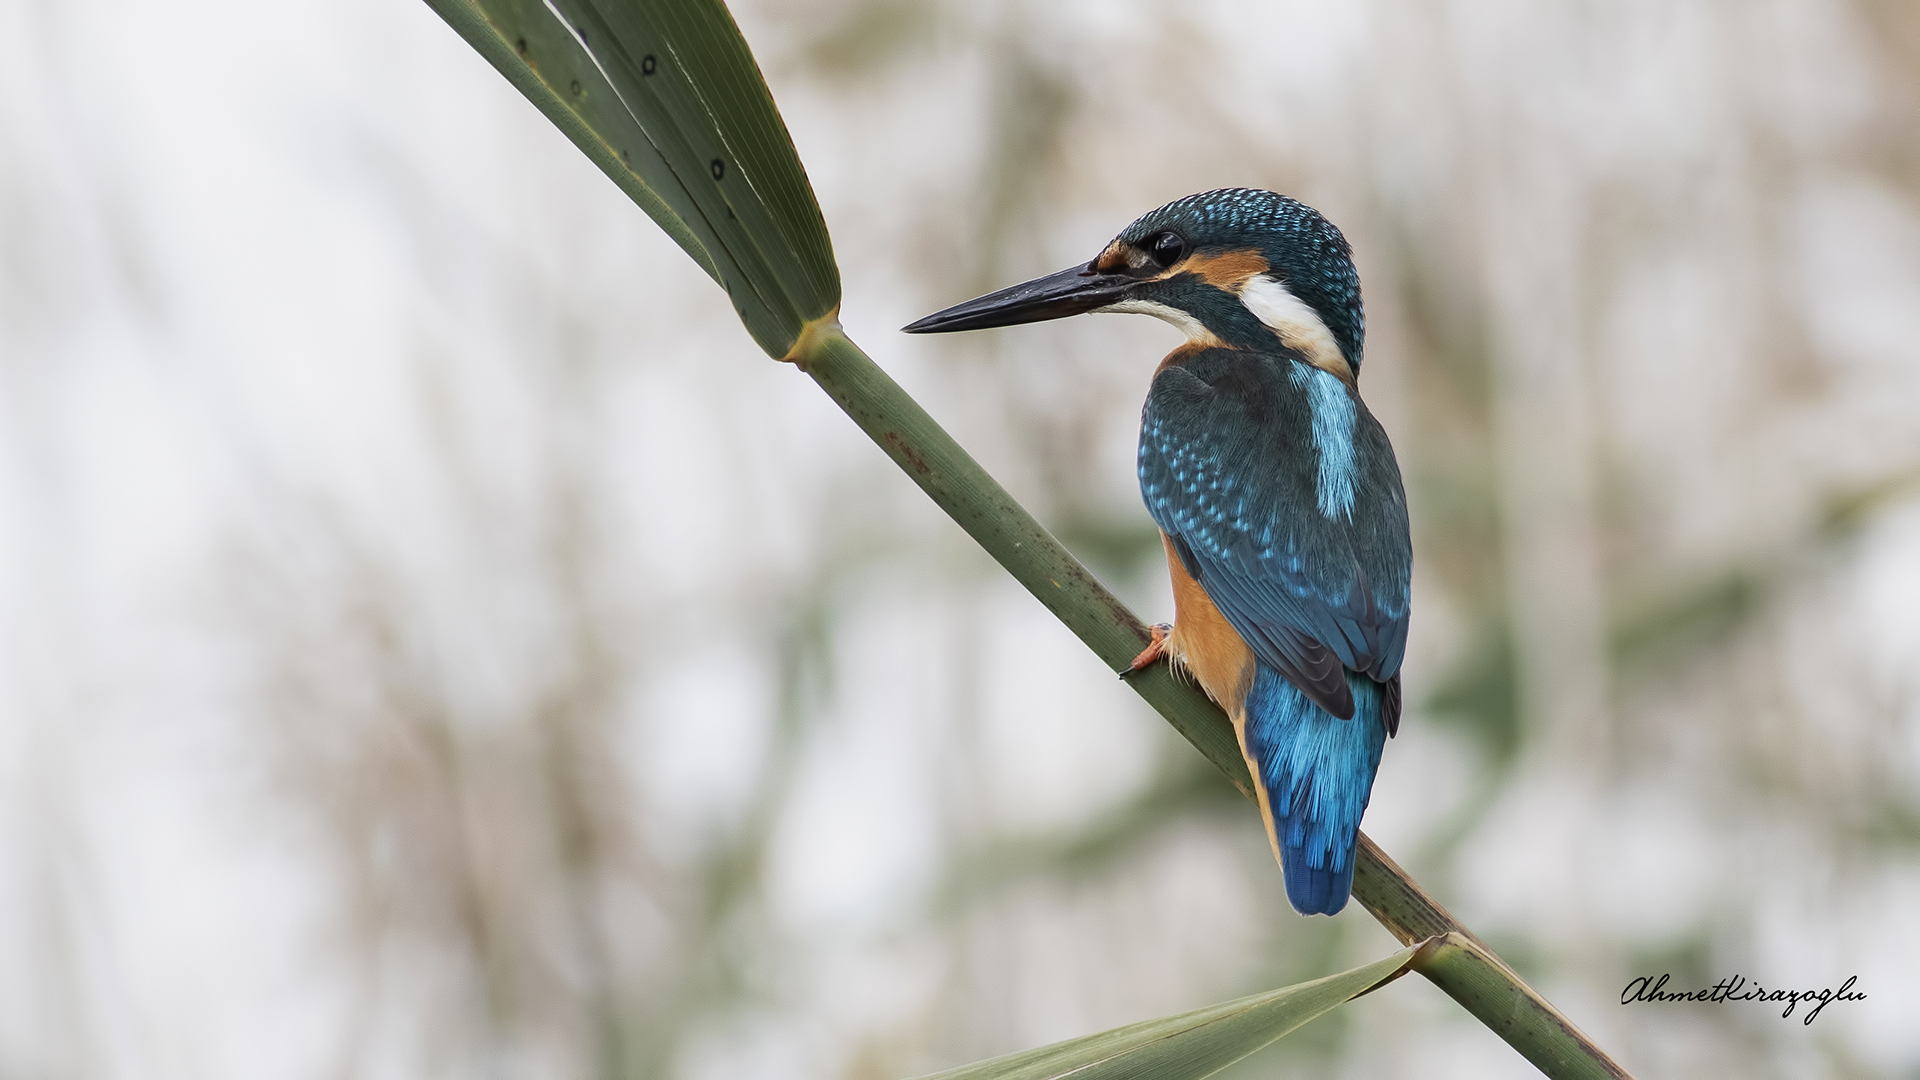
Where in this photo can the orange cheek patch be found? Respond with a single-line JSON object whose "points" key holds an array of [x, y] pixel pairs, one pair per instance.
{"points": [[1228, 270]]}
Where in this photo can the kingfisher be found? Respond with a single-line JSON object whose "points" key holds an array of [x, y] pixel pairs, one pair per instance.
{"points": [[1277, 495]]}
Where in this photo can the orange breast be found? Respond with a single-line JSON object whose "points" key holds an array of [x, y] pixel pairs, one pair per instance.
{"points": [[1210, 648]]}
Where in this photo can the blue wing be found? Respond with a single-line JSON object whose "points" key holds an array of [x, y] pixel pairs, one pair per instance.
{"points": [[1281, 495]]}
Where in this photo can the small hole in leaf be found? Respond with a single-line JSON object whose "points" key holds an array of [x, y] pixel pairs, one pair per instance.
{"points": [[648, 65], [521, 44], [575, 88], [719, 168]]}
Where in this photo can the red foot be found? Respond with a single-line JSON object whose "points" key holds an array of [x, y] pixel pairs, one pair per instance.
{"points": [[1156, 648]]}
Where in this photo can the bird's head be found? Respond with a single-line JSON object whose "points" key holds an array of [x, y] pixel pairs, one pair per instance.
{"points": [[1235, 267]]}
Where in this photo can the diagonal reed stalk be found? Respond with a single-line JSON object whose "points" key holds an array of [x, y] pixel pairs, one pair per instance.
{"points": [[1452, 957], [664, 96]]}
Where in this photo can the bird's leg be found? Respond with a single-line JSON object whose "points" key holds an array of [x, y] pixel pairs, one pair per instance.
{"points": [[1156, 647]]}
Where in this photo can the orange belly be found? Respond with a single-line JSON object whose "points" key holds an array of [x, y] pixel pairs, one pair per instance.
{"points": [[1204, 642]]}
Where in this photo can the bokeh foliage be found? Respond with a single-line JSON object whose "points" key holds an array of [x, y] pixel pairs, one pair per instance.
{"points": [[1728, 194]]}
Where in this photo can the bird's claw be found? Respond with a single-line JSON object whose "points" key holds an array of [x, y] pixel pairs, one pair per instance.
{"points": [[1155, 650]]}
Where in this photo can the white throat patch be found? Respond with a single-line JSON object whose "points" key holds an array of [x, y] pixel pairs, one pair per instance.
{"points": [[1196, 331], [1300, 329]]}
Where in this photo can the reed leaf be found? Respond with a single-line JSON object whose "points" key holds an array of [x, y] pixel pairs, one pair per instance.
{"points": [[666, 99], [1192, 1044]]}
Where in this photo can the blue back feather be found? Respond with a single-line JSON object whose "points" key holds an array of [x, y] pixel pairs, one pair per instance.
{"points": [[1281, 494]]}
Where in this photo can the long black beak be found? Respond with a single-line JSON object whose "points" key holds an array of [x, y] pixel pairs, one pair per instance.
{"points": [[1069, 292]]}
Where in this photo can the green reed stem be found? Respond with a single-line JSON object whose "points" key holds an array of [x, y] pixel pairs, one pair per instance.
{"points": [[1456, 961]]}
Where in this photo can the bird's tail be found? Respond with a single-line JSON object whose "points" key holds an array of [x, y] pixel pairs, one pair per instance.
{"points": [[1315, 773]]}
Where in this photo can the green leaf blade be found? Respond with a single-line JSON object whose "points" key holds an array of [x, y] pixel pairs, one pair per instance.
{"points": [[669, 102], [1192, 1044], [636, 58], [543, 60], [728, 76], [703, 95]]}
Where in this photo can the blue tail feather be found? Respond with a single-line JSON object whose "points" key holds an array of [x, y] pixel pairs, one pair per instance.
{"points": [[1311, 891], [1318, 771]]}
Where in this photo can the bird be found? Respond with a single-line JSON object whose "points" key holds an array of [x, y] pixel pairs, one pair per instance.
{"points": [[1277, 495]]}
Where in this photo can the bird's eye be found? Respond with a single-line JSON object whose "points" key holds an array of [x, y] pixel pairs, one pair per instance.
{"points": [[1167, 248]]}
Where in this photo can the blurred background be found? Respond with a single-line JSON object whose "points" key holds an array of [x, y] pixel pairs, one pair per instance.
{"points": [[434, 641]]}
